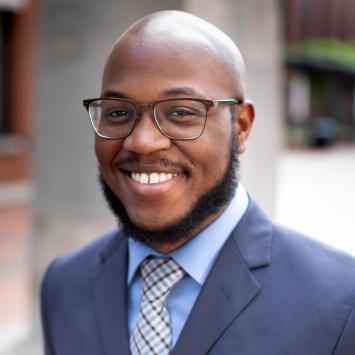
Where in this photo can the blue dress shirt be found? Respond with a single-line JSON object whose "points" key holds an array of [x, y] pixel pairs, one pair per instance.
{"points": [[196, 257]]}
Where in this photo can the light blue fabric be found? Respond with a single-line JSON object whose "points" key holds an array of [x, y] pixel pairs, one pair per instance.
{"points": [[196, 257]]}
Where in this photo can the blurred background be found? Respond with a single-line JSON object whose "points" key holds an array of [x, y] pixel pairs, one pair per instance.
{"points": [[300, 164]]}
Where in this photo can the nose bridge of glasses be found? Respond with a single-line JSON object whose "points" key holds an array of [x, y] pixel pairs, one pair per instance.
{"points": [[146, 135], [148, 109], [141, 108]]}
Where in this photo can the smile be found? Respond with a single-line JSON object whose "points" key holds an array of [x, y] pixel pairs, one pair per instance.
{"points": [[152, 178]]}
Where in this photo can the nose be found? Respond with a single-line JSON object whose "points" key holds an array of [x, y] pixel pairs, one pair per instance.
{"points": [[146, 137]]}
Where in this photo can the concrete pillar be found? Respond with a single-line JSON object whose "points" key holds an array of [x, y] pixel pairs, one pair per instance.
{"points": [[74, 40], [255, 27]]}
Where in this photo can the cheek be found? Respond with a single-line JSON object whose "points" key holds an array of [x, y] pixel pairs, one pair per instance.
{"points": [[217, 143], [210, 155], [106, 151]]}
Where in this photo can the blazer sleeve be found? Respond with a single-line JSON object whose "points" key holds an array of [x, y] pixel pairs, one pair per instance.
{"points": [[45, 311], [346, 342]]}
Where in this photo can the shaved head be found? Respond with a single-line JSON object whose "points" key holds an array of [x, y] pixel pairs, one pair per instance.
{"points": [[179, 34]]}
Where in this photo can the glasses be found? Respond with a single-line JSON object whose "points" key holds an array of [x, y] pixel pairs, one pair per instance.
{"points": [[181, 119]]}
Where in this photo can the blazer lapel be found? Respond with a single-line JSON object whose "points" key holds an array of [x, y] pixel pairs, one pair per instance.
{"points": [[230, 286], [109, 294]]}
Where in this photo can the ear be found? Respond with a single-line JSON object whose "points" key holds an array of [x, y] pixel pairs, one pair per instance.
{"points": [[244, 123]]}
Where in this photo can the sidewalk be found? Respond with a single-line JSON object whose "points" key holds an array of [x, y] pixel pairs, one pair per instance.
{"points": [[316, 194], [31, 346]]}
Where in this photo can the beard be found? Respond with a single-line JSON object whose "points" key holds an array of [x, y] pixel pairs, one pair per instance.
{"points": [[182, 230]]}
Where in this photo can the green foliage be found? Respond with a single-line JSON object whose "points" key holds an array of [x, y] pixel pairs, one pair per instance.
{"points": [[324, 50]]}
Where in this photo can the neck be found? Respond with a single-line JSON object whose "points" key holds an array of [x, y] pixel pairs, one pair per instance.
{"points": [[167, 248]]}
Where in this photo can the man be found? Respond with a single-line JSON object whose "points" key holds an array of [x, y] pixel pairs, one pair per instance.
{"points": [[196, 266]]}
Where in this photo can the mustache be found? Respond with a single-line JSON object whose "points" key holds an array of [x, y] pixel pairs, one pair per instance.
{"points": [[163, 162]]}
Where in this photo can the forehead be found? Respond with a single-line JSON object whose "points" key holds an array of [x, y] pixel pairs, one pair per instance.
{"points": [[153, 66]]}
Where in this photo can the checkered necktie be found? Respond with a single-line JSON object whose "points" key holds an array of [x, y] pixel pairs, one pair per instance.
{"points": [[152, 334]]}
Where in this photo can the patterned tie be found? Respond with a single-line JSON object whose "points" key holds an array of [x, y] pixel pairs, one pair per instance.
{"points": [[152, 334]]}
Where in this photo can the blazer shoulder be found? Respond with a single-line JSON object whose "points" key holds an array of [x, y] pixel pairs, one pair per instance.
{"points": [[310, 248], [82, 263], [315, 260]]}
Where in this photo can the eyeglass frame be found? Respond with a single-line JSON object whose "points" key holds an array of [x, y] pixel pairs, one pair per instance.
{"points": [[208, 105]]}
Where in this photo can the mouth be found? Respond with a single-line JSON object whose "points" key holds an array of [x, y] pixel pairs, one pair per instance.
{"points": [[151, 179], [148, 185]]}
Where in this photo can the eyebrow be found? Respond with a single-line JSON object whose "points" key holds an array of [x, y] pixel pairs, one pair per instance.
{"points": [[180, 91], [114, 93]]}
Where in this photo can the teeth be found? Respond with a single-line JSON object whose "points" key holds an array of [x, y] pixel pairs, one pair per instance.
{"points": [[152, 178], [143, 178]]}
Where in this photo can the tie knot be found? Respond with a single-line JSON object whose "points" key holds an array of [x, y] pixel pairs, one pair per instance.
{"points": [[159, 277]]}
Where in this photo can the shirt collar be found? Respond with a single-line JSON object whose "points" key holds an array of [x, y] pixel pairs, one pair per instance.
{"points": [[198, 255]]}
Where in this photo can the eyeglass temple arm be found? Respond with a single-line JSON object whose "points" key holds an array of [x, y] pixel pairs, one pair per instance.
{"points": [[227, 101]]}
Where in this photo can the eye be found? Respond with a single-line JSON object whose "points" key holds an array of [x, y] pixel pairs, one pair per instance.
{"points": [[180, 112], [116, 113]]}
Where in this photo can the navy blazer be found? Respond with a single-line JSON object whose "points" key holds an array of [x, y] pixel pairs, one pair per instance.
{"points": [[271, 291]]}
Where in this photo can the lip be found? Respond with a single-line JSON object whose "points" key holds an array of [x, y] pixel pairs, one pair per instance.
{"points": [[149, 168], [151, 191]]}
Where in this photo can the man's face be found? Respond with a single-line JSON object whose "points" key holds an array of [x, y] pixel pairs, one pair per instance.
{"points": [[190, 168]]}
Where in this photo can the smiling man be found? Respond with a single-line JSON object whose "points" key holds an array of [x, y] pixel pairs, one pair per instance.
{"points": [[195, 266]]}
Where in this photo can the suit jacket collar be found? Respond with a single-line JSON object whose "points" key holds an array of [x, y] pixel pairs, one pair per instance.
{"points": [[110, 297], [228, 290], [253, 236]]}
